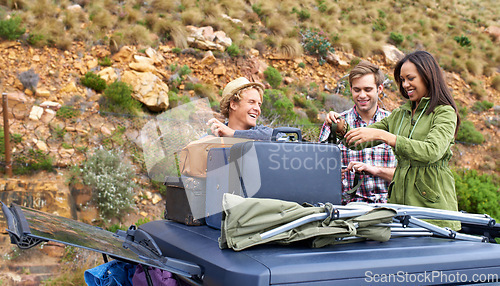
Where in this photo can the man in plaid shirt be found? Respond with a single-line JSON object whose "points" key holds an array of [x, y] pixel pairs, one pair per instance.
{"points": [[378, 163]]}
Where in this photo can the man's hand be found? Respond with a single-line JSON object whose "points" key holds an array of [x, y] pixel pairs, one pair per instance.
{"points": [[386, 173], [335, 118], [220, 129]]}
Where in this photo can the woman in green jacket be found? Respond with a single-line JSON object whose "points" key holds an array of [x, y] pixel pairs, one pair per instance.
{"points": [[421, 133]]}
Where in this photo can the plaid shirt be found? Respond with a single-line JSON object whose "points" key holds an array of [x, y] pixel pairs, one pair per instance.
{"points": [[373, 189]]}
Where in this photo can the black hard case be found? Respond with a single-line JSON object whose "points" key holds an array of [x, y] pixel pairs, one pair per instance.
{"points": [[185, 200], [301, 172]]}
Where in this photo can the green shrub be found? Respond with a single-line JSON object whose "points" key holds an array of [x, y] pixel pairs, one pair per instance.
{"points": [[468, 134], [302, 65], [463, 41], [379, 25], [32, 162], [67, 112], [118, 98], [36, 40], [316, 43], [303, 14], [396, 38], [111, 181], [93, 81], [480, 106], [273, 77], [184, 70], [233, 50], [277, 107], [105, 62], [477, 193], [11, 29]]}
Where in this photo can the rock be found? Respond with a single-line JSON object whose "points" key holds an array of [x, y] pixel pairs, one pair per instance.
{"points": [[55, 106], [108, 74], [100, 51], [494, 32], [70, 88], [287, 80], [155, 56], [28, 92], [156, 199], [254, 52], [143, 60], [41, 145], [47, 116], [124, 55], [222, 39], [236, 21], [148, 89], [105, 131], [36, 113], [42, 93], [75, 8], [142, 67], [16, 96], [92, 64], [220, 70], [204, 37], [391, 54], [208, 59], [335, 60], [66, 153], [496, 109]]}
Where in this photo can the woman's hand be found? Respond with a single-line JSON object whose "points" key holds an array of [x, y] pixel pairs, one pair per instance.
{"points": [[220, 129], [364, 134]]}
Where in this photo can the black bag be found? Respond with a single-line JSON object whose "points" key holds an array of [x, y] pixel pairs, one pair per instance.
{"points": [[293, 171], [184, 196]]}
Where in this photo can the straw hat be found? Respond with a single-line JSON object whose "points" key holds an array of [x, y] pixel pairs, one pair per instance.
{"points": [[238, 84]]}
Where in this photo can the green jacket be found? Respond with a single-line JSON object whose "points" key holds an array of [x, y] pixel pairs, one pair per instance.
{"points": [[423, 149]]}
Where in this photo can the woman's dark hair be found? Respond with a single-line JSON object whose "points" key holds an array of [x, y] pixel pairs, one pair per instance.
{"points": [[433, 77]]}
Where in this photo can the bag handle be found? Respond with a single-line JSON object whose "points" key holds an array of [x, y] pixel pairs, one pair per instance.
{"points": [[286, 130]]}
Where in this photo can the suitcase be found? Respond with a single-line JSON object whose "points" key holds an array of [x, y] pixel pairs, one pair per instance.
{"points": [[293, 171], [185, 200]]}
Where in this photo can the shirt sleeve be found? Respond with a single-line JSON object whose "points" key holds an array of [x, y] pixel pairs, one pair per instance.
{"points": [[437, 141], [258, 132]]}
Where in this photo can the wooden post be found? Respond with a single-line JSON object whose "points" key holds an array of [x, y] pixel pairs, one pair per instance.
{"points": [[8, 161]]}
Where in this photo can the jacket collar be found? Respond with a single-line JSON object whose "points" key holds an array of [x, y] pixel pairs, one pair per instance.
{"points": [[423, 101]]}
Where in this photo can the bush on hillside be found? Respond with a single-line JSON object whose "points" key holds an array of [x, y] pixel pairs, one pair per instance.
{"points": [[118, 98], [480, 106], [316, 43], [233, 50], [468, 134], [462, 40], [477, 193], [111, 181], [29, 79], [11, 29], [495, 82], [273, 77], [93, 81], [277, 107]]}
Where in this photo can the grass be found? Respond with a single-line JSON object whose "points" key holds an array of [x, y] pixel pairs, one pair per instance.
{"points": [[440, 29]]}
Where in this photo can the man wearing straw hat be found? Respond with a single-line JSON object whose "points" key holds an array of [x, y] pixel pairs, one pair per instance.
{"points": [[240, 104]]}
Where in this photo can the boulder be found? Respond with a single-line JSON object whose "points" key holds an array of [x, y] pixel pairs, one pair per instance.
{"points": [[335, 60], [392, 54], [36, 113], [143, 60], [148, 89], [108, 74], [494, 32], [124, 55], [208, 59], [142, 67], [55, 106], [155, 56]]}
